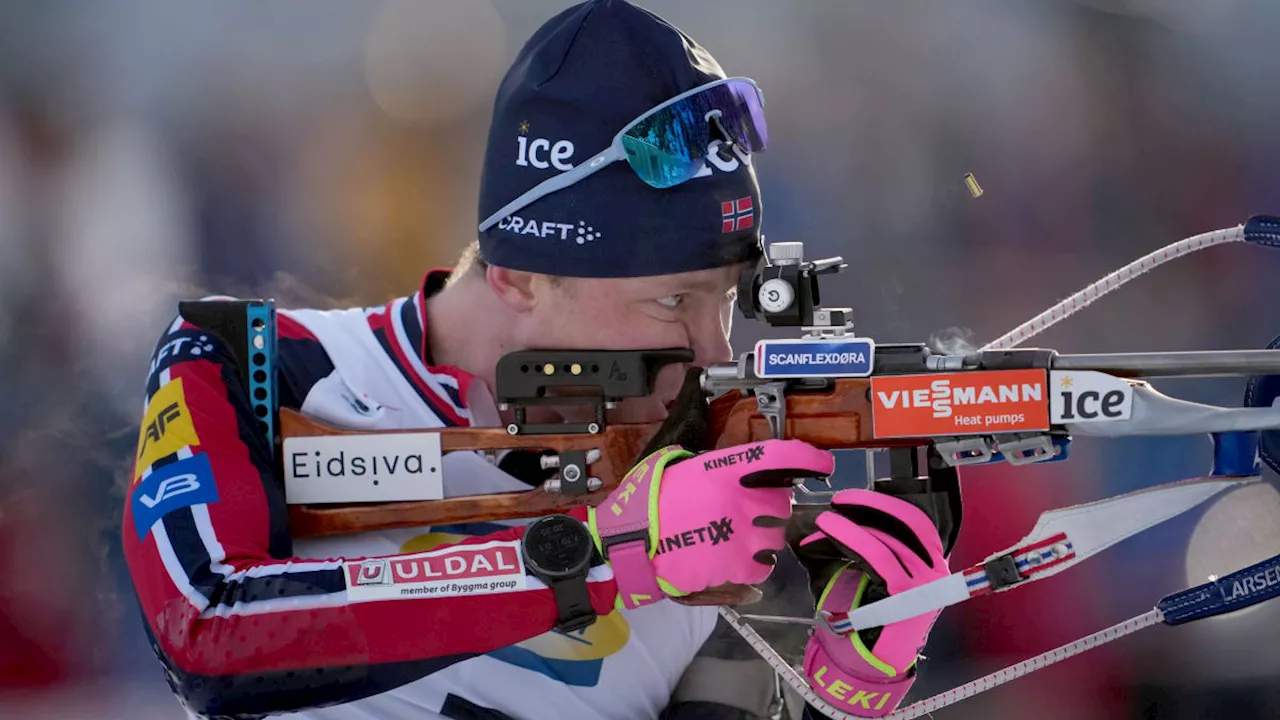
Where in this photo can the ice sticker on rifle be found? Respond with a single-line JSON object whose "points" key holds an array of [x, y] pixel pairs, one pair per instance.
{"points": [[851, 357], [479, 569], [1088, 396], [385, 467], [959, 403]]}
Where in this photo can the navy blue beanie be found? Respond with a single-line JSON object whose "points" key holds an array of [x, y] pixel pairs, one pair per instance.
{"points": [[580, 79]]}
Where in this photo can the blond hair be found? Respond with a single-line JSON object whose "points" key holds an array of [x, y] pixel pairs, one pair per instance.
{"points": [[470, 262]]}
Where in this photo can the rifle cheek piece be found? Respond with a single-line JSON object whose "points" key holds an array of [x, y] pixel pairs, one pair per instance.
{"points": [[599, 378]]}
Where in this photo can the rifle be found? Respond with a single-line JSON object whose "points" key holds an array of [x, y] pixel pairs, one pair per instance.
{"points": [[837, 391]]}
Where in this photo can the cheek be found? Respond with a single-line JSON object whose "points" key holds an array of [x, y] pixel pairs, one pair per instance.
{"points": [[571, 324], [636, 330]]}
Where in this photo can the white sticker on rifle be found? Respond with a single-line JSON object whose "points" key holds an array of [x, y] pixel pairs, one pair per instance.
{"points": [[815, 357], [479, 569], [384, 467], [1088, 396]]}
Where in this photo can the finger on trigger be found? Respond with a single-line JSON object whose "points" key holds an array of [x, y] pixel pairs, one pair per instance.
{"points": [[774, 503]]}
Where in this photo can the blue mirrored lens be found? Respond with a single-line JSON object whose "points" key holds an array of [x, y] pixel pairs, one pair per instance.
{"points": [[667, 146], [658, 168]]}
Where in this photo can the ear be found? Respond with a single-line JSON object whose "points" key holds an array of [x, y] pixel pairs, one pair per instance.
{"points": [[516, 289]]}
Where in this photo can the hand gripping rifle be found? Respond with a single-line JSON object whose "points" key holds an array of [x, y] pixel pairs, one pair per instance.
{"points": [[933, 413]]}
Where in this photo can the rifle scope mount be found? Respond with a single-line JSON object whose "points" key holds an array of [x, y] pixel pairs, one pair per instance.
{"points": [[782, 290]]}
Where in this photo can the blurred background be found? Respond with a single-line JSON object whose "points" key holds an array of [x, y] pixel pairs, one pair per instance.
{"points": [[327, 153]]}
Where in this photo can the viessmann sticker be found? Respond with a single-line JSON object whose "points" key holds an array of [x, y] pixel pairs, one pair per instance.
{"points": [[479, 569], [960, 403]]}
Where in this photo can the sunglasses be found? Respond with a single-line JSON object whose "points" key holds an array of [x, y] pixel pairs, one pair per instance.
{"points": [[667, 145]]}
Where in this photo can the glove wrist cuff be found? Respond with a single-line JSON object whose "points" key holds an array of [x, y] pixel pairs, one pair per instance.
{"points": [[634, 574], [865, 692], [623, 526]]}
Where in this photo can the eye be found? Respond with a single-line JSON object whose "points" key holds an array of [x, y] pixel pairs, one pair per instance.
{"points": [[671, 301]]}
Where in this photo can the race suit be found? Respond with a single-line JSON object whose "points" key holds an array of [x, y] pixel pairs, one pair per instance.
{"points": [[249, 621]]}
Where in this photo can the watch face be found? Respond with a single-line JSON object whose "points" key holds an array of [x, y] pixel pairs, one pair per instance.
{"points": [[557, 544]]}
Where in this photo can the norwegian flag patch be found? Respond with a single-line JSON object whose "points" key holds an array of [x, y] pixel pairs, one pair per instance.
{"points": [[739, 214], [837, 621]]}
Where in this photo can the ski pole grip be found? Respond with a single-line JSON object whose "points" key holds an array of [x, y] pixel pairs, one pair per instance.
{"points": [[1240, 589], [1263, 230]]}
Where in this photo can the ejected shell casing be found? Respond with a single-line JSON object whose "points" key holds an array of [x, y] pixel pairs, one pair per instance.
{"points": [[972, 183]]}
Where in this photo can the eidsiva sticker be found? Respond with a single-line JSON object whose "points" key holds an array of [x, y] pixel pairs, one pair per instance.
{"points": [[386, 467], [480, 569], [851, 357], [1089, 396], [177, 485], [959, 403]]}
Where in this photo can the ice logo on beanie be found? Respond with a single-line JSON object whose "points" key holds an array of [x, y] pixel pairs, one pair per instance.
{"points": [[541, 152]]}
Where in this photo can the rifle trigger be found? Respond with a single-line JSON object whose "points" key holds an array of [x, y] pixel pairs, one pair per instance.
{"points": [[771, 402], [800, 487]]}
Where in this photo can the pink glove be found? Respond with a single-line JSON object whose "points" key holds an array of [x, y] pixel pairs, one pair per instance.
{"points": [[870, 545], [678, 523]]}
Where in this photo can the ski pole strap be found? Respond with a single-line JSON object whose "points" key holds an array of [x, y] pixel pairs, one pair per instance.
{"points": [[1013, 672], [1240, 589]]}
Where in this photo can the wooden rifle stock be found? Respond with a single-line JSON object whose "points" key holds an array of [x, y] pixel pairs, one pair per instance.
{"points": [[838, 418], [618, 446]]}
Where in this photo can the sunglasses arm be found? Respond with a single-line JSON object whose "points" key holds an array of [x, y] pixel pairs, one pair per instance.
{"points": [[556, 183]]}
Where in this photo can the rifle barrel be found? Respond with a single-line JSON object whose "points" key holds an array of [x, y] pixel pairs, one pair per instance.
{"points": [[1195, 363], [724, 376]]}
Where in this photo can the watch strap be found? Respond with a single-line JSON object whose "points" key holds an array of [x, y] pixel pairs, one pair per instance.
{"points": [[568, 584], [573, 604]]}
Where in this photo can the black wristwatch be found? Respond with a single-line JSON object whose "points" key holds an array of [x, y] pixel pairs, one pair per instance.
{"points": [[558, 551]]}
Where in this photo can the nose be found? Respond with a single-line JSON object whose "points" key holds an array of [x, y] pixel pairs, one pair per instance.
{"points": [[710, 337]]}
